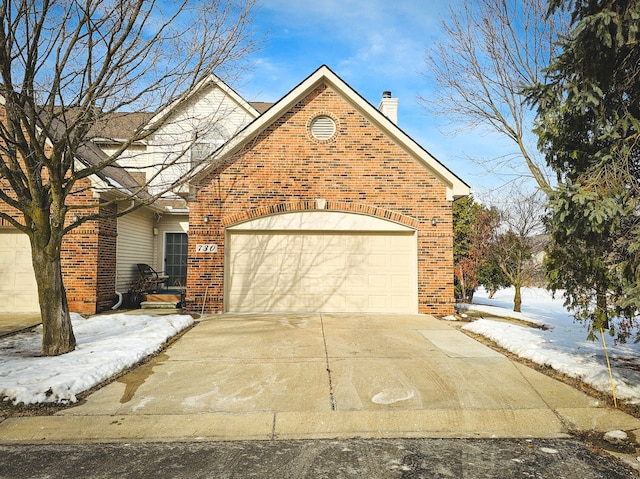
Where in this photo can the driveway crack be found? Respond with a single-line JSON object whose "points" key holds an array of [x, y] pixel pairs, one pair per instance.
{"points": [[332, 397], [273, 428]]}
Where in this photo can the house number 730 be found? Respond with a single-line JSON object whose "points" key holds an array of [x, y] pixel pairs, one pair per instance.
{"points": [[206, 248]]}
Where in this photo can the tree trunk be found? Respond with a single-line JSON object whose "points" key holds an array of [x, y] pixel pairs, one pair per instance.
{"points": [[463, 288], [57, 335], [517, 299]]}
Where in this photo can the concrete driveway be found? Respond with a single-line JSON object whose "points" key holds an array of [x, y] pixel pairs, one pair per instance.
{"points": [[12, 322], [324, 376]]}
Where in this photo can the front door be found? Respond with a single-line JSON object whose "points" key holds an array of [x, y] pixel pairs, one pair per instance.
{"points": [[175, 259]]}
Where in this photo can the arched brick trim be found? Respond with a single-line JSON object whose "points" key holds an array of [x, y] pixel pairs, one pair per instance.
{"points": [[311, 205]]}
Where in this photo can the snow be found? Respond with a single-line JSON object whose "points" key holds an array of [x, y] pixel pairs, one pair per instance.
{"points": [[562, 344], [616, 437], [106, 345]]}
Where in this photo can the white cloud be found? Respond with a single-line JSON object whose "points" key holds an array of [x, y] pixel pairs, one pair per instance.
{"points": [[374, 45]]}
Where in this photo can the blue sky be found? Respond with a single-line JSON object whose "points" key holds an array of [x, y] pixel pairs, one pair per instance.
{"points": [[373, 45]]}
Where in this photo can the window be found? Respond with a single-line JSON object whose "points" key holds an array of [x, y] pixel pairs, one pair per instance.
{"points": [[175, 258], [212, 138], [199, 153]]}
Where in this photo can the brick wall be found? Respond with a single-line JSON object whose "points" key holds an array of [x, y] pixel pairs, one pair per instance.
{"points": [[89, 261], [106, 260], [358, 170]]}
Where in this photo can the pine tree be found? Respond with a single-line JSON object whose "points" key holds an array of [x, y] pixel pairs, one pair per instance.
{"points": [[589, 130]]}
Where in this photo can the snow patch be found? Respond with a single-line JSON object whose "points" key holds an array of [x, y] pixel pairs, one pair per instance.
{"points": [[106, 345], [616, 437], [563, 346], [392, 395], [549, 450]]}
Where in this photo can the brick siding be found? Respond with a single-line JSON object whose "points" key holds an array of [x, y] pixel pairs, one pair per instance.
{"points": [[358, 170], [88, 258], [89, 263]]}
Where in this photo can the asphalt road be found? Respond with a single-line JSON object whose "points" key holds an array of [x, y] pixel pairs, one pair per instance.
{"points": [[378, 458]]}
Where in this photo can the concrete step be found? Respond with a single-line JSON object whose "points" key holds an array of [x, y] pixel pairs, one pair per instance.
{"points": [[158, 304]]}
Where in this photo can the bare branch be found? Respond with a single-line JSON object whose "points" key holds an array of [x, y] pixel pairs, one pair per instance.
{"points": [[492, 50], [68, 69]]}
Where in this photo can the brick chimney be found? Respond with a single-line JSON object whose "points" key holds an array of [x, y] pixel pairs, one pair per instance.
{"points": [[389, 106]]}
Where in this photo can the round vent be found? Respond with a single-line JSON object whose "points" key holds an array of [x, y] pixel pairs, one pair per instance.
{"points": [[323, 127]]}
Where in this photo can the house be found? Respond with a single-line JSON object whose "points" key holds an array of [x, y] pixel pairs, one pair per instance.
{"points": [[99, 258], [194, 128], [319, 202], [89, 252]]}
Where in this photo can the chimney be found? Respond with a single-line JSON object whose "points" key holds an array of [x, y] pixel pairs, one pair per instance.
{"points": [[389, 106]]}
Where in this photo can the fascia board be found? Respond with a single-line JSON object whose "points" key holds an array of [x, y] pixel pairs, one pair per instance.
{"points": [[235, 97], [455, 186], [113, 194]]}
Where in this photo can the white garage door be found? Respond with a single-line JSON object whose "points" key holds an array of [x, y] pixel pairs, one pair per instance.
{"points": [[18, 290], [330, 267]]}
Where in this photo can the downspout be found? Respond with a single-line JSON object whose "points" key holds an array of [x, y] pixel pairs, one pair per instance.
{"points": [[118, 303]]}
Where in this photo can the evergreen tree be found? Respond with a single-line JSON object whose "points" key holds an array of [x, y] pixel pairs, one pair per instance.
{"points": [[589, 130], [492, 278]]}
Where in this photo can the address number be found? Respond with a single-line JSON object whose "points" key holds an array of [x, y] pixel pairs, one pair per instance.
{"points": [[206, 248]]}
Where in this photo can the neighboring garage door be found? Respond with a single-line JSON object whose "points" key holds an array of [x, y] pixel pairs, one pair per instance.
{"points": [[18, 289], [321, 261]]}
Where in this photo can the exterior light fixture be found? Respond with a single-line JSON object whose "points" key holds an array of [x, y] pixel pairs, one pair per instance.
{"points": [[434, 221], [206, 218]]}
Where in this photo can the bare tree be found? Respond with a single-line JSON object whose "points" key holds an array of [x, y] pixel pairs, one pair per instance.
{"points": [[516, 242], [67, 67], [492, 50]]}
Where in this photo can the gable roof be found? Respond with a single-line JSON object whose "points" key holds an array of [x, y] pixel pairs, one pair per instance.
{"points": [[455, 186], [206, 82], [261, 106]]}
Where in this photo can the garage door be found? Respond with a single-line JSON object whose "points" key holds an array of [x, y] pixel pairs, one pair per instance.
{"points": [[341, 263], [18, 290]]}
